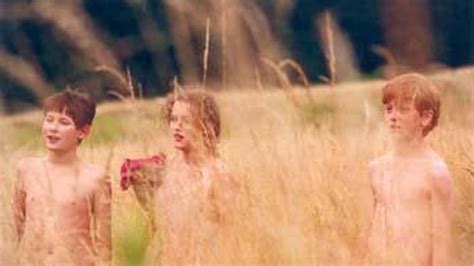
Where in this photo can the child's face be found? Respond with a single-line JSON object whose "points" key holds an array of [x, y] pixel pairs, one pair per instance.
{"points": [[60, 132], [182, 127], [403, 119]]}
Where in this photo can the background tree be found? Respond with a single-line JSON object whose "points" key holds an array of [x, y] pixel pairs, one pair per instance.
{"points": [[48, 44]]}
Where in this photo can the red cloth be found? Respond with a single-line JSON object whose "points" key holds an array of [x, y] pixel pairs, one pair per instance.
{"points": [[130, 166]]}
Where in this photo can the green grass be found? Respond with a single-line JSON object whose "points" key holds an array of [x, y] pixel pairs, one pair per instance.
{"points": [[109, 127], [26, 133]]}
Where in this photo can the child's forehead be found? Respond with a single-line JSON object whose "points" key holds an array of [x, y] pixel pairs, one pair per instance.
{"points": [[181, 102], [58, 113], [400, 100], [181, 106], [400, 96]]}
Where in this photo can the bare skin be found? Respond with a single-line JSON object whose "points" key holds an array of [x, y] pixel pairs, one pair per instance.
{"points": [[412, 198], [191, 205], [410, 219], [54, 207], [61, 205], [194, 196]]}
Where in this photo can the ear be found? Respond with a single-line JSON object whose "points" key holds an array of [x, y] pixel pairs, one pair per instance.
{"points": [[84, 132], [426, 117]]}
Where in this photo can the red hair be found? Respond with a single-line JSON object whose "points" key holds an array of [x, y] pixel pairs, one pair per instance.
{"points": [[414, 88]]}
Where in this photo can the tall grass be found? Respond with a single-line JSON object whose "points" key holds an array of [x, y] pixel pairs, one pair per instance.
{"points": [[302, 174]]}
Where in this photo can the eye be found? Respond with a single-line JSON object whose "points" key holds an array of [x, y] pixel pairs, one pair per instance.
{"points": [[49, 119], [388, 108], [185, 119], [65, 122], [405, 108], [173, 118]]}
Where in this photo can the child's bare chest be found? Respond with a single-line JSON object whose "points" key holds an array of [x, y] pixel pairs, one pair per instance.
{"points": [[181, 185], [59, 192], [403, 184]]}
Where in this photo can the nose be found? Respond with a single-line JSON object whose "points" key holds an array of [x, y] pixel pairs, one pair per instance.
{"points": [[394, 115], [177, 125], [52, 126]]}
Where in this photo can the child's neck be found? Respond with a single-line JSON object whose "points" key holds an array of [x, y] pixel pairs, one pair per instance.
{"points": [[62, 157], [193, 158], [411, 147]]}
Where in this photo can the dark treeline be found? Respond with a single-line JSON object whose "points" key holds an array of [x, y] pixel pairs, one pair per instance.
{"points": [[42, 49]]}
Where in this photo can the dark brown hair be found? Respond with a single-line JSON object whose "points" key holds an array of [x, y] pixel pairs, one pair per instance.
{"points": [[414, 88], [79, 106]]}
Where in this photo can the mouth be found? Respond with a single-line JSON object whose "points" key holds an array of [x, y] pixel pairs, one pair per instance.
{"points": [[52, 139], [178, 137]]}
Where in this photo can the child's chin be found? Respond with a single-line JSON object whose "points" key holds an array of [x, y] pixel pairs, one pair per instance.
{"points": [[56, 148], [395, 134], [180, 146], [53, 148], [399, 136]]}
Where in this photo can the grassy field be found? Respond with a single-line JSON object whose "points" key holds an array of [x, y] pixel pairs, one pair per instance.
{"points": [[302, 168]]}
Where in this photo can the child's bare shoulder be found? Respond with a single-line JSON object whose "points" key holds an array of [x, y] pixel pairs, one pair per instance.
{"points": [[376, 166], [93, 170], [437, 163], [220, 166], [380, 161], [96, 176], [28, 163], [438, 170], [225, 176], [26, 166]]}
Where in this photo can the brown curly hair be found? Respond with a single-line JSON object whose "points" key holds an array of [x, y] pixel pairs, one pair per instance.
{"points": [[204, 111], [414, 87]]}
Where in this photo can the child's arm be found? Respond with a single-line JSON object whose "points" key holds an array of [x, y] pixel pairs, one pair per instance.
{"points": [[145, 176], [441, 215], [19, 202], [144, 187], [223, 196], [362, 242], [102, 215]]}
